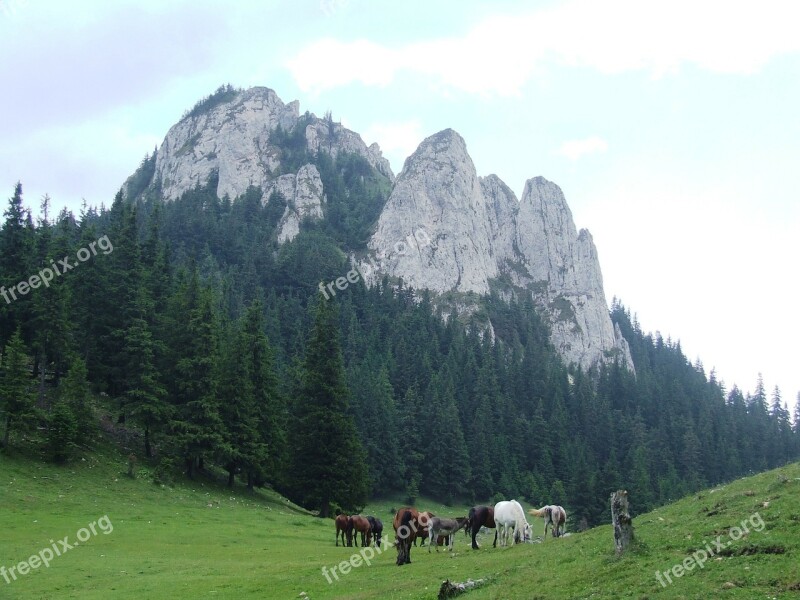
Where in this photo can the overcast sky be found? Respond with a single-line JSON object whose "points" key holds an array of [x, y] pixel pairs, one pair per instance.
{"points": [[672, 127]]}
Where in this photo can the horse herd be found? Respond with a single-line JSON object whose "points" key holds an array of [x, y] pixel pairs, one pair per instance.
{"points": [[507, 518]]}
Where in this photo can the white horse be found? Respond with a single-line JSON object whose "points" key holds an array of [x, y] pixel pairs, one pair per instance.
{"points": [[509, 515], [554, 516]]}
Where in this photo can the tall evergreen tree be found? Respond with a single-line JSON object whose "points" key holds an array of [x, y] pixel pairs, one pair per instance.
{"points": [[16, 398], [329, 462], [74, 391], [198, 429]]}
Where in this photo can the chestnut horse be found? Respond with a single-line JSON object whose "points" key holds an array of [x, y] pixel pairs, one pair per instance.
{"points": [[341, 528], [358, 524], [407, 524], [480, 516]]}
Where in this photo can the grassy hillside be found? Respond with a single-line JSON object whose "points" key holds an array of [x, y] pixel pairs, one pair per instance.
{"points": [[203, 541]]}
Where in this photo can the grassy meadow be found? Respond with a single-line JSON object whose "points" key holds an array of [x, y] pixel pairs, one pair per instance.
{"points": [[201, 540]]}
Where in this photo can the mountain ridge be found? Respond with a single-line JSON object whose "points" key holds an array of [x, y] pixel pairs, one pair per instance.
{"points": [[483, 238]]}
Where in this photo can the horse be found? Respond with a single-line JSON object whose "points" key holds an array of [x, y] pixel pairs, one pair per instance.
{"points": [[508, 514], [358, 524], [341, 528], [406, 525], [555, 516], [422, 534], [377, 529], [444, 527], [480, 516]]}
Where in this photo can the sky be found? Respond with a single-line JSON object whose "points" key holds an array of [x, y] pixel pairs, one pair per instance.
{"points": [[673, 127]]}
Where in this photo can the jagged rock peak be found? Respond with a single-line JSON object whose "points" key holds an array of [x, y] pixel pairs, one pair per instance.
{"points": [[437, 197], [229, 133], [481, 236]]}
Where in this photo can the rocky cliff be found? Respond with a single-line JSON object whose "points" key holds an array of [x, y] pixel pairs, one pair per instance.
{"points": [[230, 135], [443, 228], [480, 237]]}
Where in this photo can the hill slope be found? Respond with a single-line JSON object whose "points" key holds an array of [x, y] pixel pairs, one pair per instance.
{"points": [[202, 541]]}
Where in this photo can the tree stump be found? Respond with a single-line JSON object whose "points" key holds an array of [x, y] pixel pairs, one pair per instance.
{"points": [[621, 520]]}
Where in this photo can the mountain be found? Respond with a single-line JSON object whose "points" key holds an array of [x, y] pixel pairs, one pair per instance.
{"points": [[482, 238]]}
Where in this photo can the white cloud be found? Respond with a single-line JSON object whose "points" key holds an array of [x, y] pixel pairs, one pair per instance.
{"points": [[397, 140], [574, 149], [498, 55]]}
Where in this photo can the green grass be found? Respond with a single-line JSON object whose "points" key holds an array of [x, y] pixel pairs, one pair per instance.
{"points": [[200, 540]]}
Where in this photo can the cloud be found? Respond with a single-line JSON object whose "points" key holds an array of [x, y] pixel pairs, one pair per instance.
{"points": [[501, 53], [574, 149]]}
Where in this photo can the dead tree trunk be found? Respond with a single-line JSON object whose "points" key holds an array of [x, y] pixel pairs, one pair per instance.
{"points": [[450, 589], [621, 520]]}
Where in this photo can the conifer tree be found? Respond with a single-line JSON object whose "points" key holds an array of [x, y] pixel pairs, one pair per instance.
{"points": [[75, 392], [197, 425], [329, 462], [269, 458], [16, 398]]}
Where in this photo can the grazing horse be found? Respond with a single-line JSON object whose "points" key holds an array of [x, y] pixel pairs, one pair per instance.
{"points": [[444, 527], [358, 524], [508, 515], [480, 516], [422, 534], [406, 527], [555, 516], [377, 529], [341, 528]]}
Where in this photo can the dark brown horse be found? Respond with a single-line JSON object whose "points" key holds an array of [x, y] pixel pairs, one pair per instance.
{"points": [[406, 527], [341, 528], [480, 516], [358, 524], [377, 529]]}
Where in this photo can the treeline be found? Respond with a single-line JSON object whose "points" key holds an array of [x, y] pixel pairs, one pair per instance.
{"points": [[211, 340]]}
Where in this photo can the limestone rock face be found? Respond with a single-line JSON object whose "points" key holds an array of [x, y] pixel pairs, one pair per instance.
{"points": [[233, 140], [437, 199], [480, 235], [304, 199], [333, 138]]}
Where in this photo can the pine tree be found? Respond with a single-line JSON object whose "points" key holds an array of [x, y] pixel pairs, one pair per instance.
{"points": [[16, 398], [62, 432], [17, 249], [198, 429], [75, 392], [329, 462], [797, 415], [268, 461], [143, 396]]}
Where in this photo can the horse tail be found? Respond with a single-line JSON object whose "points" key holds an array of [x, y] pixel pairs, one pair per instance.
{"points": [[537, 512]]}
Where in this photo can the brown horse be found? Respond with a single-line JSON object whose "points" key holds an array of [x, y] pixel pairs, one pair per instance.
{"points": [[341, 528], [480, 516], [423, 533], [407, 526], [358, 524]]}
